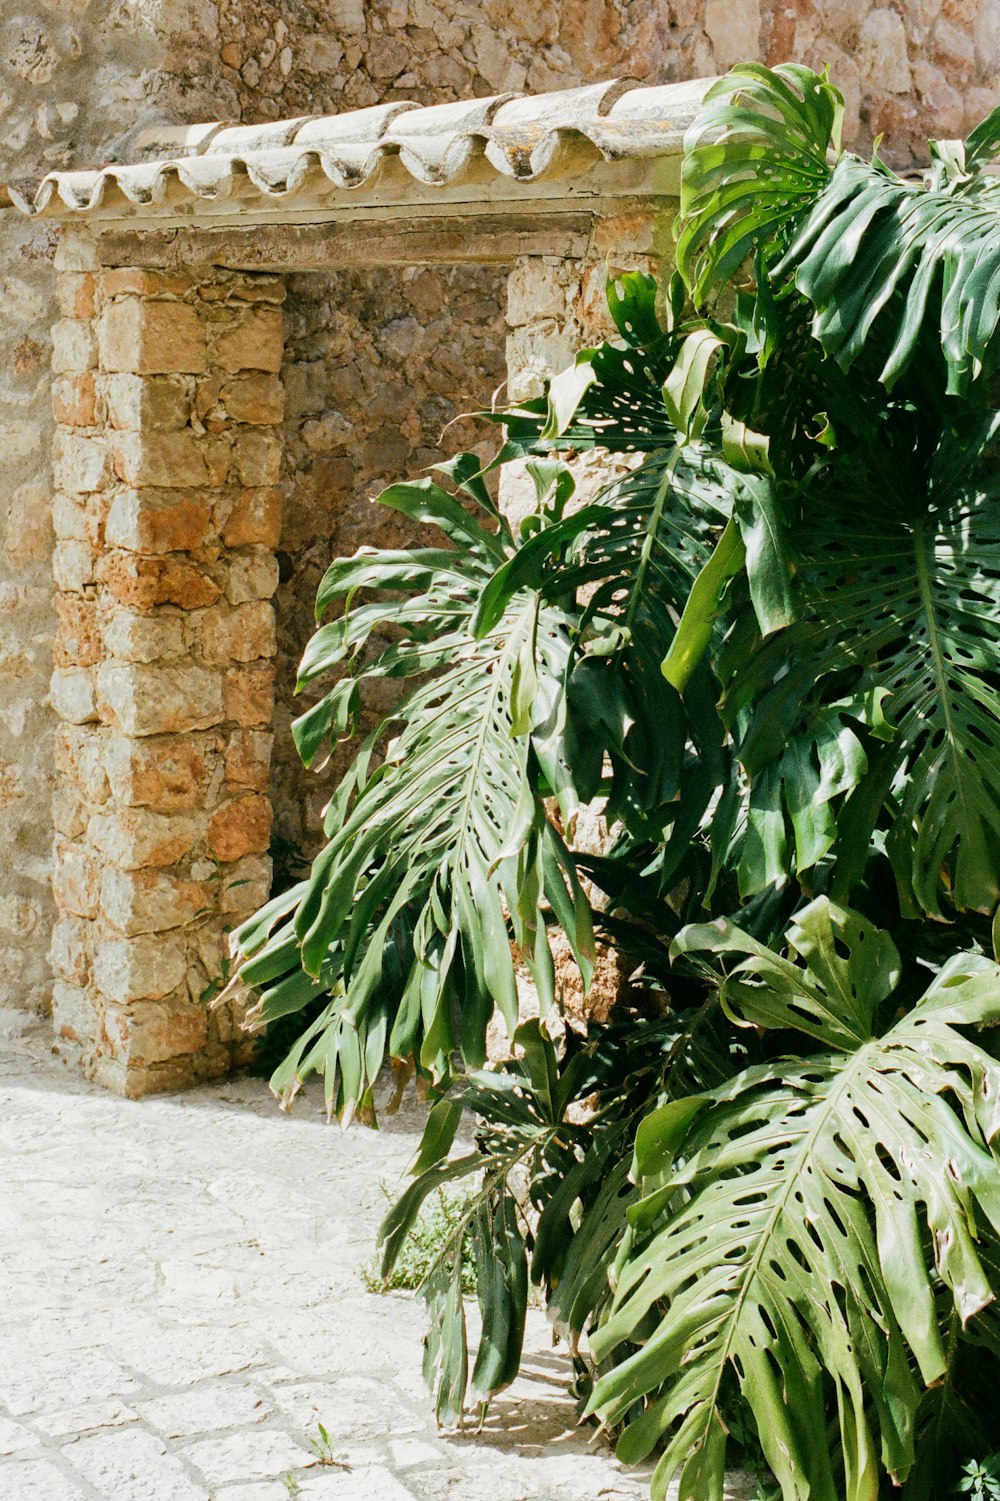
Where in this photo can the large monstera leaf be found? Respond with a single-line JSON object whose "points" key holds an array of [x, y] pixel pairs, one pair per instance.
{"points": [[623, 566], [795, 1224], [885, 261], [440, 852], [755, 159], [899, 596]]}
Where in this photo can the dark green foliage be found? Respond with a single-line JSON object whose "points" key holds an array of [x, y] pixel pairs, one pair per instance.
{"points": [[434, 1228], [765, 1198]]}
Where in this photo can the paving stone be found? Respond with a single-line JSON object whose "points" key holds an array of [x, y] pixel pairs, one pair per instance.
{"points": [[15, 1438], [245, 1456], [173, 1357], [375, 1481], [84, 1418], [53, 1380], [37, 1480], [208, 1408], [407, 1452], [133, 1466], [353, 1409], [266, 1490]]}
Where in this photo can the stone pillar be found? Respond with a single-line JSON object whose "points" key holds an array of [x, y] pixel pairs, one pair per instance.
{"points": [[555, 308], [167, 400]]}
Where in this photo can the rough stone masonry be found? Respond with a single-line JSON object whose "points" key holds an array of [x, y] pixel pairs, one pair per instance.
{"points": [[375, 365], [166, 457]]}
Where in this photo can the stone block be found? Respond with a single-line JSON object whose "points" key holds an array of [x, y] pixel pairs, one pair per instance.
{"points": [[733, 30], [157, 1031], [142, 638], [141, 583], [257, 457], [882, 51], [255, 342], [252, 399], [73, 345], [240, 827], [69, 951], [139, 699], [251, 575], [154, 403], [74, 400], [138, 839], [78, 756], [74, 1016], [536, 289], [249, 694], [78, 637], [238, 634], [151, 338], [138, 281], [70, 519], [139, 969], [248, 758], [74, 565], [536, 353], [630, 231], [80, 464], [157, 521], [70, 810], [29, 524], [75, 293], [75, 879], [169, 775], [246, 886], [145, 901], [255, 517], [171, 460], [73, 697], [75, 250]]}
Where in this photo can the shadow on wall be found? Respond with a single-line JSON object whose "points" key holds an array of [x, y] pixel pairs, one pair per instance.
{"points": [[381, 366]]}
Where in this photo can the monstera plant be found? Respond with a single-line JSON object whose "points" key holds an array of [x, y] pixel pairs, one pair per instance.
{"points": [[763, 1200]]}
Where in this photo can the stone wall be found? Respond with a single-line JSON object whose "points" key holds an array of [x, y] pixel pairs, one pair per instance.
{"points": [[78, 80], [381, 367]]}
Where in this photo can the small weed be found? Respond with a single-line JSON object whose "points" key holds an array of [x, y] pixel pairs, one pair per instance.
{"points": [[322, 1448], [437, 1222], [291, 1484], [981, 1479]]}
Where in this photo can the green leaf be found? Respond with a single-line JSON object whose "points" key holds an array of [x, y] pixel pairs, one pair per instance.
{"points": [[399, 1221], [768, 563], [694, 632], [897, 589], [754, 158], [565, 393], [684, 388], [443, 1120], [810, 1192], [333, 717]]}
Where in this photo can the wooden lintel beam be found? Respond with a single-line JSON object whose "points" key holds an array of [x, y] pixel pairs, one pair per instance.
{"points": [[496, 239]]}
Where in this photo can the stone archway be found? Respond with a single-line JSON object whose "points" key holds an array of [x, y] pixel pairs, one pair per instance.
{"points": [[167, 453]]}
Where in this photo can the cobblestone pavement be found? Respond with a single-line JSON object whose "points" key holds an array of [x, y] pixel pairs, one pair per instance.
{"points": [[180, 1308]]}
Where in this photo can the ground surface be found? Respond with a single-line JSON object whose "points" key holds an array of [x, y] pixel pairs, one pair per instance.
{"points": [[180, 1307]]}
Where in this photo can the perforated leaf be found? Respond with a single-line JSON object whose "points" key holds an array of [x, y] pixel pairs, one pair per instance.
{"points": [[792, 1232], [441, 852], [898, 595]]}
